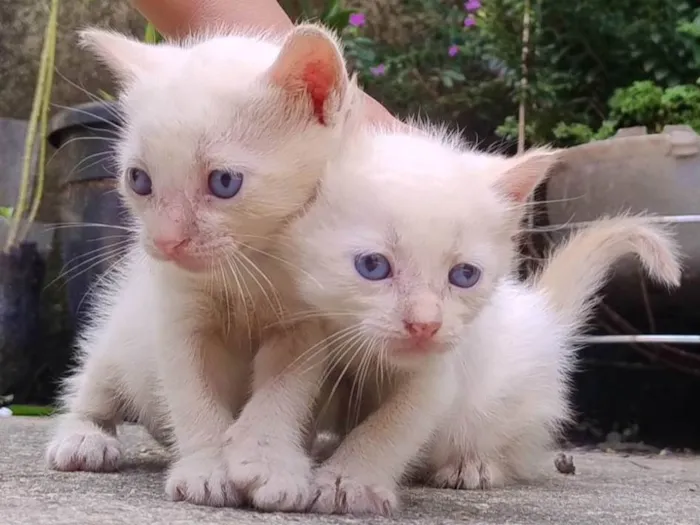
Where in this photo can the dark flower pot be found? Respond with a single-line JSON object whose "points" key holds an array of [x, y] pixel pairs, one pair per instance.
{"points": [[92, 236], [21, 278]]}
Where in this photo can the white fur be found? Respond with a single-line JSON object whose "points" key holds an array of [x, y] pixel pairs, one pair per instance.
{"points": [[516, 358], [175, 349], [474, 406]]}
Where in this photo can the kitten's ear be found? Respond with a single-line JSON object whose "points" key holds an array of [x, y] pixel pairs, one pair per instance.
{"points": [[127, 58], [525, 172], [310, 67]]}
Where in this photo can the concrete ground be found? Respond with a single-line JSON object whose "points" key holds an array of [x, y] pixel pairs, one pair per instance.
{"points": [[606, 489]]}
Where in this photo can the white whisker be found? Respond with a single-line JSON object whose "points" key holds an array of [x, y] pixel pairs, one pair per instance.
{"points": [[277, 308], [233, 266], [283, 261]]}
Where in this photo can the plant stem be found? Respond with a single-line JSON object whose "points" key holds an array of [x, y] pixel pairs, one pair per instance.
{"points": [[39, 94], [523, 77], [46, 102]]}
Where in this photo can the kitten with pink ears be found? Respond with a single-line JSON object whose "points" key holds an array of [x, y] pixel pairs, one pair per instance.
{"points": [[224, 142], [459, 370]]}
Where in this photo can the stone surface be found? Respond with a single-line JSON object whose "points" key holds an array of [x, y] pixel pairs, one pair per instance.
{"points": [[607, 488], [12, 137]]}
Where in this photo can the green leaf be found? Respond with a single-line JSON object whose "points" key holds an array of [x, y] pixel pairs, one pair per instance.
{"points": [[367, 56], [6, 212], [152, 36], [103, 94], [661, 74], [363, 40], [339, 20], [31, 410], [447, 81], [329, 9], [454, 75]]}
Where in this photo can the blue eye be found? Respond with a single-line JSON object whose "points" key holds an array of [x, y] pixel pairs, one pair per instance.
{"points": [[464, 275], [225, 184], [139, 181], [373, 266]]}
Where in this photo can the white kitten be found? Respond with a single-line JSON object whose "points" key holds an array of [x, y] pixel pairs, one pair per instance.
{"points": [[515, 359], [224, 142], [408, 251]]}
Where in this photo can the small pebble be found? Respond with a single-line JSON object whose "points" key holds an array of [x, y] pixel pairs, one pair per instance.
{"points": [[565, 464], [5, 412]]}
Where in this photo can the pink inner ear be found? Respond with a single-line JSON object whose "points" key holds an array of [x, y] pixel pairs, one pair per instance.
{"points": [[521, 192], [318, 79], [516, 189], [519, 182]]}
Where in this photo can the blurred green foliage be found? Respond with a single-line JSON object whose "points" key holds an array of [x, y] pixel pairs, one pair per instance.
{"points": [[586, 63], [151, 35], [331, 13], [594, 66], [419, 59], [644, 103], [585, 52]]}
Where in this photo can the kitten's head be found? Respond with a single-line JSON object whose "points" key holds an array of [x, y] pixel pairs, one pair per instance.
{"points": [[410, 236], [224, 139]]}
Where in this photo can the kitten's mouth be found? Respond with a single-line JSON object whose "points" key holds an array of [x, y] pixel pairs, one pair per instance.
{"points": [[409, 347], [184, 261], [190, 264]]}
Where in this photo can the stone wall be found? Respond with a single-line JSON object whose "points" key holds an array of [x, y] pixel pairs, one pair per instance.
{"points": [[22, 25]]}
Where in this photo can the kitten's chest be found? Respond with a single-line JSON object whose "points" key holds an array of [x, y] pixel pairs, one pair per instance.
{"points": [[263, 290], [251, 305], [366, 373]]}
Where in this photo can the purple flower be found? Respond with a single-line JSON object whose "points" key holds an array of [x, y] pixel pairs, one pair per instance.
{"points": [[453, 50], [357, 19], [472, 5], [469, 21], [378, 71]]}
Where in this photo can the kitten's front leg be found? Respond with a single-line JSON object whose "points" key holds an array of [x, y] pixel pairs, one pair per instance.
{"points": [[85, 436], [489, 449], [266, 455], [94, 397], [196, 372], [361, 477]]}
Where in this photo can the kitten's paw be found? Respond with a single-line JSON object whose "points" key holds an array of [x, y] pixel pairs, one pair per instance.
{"points": [[468, 474], [84, 447], [273, 476], [202, 478], [336, 493]]}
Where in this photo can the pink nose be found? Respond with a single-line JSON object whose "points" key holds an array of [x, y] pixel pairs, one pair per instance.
{"points": [[170, 247], [422, 331]]}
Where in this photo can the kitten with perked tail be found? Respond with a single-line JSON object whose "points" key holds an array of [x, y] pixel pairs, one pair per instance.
{"points": [[461, 372], [516, 361], [224, 142]]}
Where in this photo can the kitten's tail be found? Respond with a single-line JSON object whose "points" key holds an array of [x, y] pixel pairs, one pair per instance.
{"points": [[578, 270]]}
